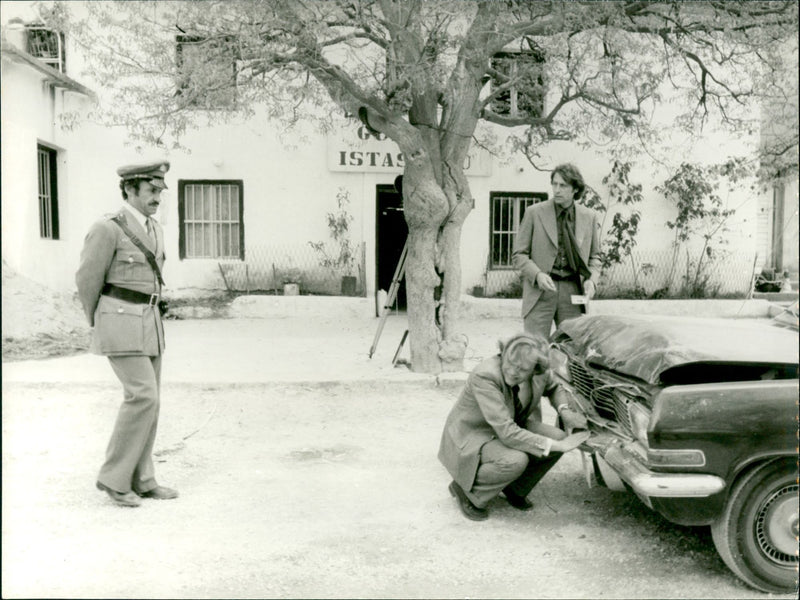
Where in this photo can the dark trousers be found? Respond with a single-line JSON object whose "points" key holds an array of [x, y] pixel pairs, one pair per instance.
{"points": [[502, 467], [553, 306]]}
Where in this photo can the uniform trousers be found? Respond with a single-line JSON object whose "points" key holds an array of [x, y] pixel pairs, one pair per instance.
{"points": [[129, 457], [502, 467], [553, 306]]}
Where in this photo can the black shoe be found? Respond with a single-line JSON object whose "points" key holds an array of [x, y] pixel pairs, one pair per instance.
{"points": [[128, 499], [160, 493], [518, 502], [470, 511]]}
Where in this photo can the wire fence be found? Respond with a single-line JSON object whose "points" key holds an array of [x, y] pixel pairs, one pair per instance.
{"points": [[643, 274], [267, 269], [654, 274]]}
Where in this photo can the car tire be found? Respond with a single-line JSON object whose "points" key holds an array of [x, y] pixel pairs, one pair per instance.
{"points": [[756, 535]]}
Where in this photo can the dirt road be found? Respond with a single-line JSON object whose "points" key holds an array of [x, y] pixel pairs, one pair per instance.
{"points": [[312, 490]]}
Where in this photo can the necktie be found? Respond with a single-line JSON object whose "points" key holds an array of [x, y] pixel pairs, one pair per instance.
{"points": [[566, 231], [151, 232], [519, 414]]}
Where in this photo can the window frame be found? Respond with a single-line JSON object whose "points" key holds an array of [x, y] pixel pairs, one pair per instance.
{"points": [[47, 199], [59, 62], [535, 197], [513, 57], [182, 238]]}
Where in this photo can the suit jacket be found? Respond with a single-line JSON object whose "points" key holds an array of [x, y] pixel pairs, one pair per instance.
{"points": [[485, 411], [536, 246], [109, 256]]}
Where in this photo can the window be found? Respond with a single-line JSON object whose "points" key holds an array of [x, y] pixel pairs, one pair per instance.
{"points": [[207, 71], [523, 70], [210, 215], [48, 193], [47, 45], [507, 209]]}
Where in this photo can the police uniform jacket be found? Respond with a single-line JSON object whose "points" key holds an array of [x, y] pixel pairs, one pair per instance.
{"points": [[485, 411], [109, 256], [536, 246]]}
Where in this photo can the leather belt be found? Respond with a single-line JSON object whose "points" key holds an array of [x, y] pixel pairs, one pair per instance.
{"points": [[557, 277], [121, 293]]}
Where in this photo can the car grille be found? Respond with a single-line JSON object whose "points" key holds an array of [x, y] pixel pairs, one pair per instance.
{"points": [[605, 397]]}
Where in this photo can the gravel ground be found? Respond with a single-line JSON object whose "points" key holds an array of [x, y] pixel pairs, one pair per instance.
{"points": [[312, 490], [39, 322], [305, 468]]}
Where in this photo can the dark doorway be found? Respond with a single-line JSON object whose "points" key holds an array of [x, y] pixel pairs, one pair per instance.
{"points": [[391, 232]]}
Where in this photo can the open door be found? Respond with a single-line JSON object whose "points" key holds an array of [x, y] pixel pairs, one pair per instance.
{"points": [[391, 232]]}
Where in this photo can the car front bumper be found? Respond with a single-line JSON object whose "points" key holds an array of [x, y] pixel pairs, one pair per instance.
{"points": [[650, 484]]}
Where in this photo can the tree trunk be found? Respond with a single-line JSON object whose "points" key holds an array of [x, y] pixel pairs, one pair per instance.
{"points": [[421, 280], [425, 207], [454, 343]]}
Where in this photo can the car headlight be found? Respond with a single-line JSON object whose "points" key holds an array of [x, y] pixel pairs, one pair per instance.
{"points": [[559, 363], [640, 420]]}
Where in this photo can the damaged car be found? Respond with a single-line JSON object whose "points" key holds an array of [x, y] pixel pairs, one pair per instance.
{"points": [[699, 419]]}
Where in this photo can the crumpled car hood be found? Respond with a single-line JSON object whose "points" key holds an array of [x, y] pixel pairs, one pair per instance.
{"points": [[646, 346]]}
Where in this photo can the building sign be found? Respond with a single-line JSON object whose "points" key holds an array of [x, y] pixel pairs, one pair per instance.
{"points": [[356, 150]]}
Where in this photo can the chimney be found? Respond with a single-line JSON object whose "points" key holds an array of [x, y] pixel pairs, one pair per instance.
{"points": [[16, 34]]}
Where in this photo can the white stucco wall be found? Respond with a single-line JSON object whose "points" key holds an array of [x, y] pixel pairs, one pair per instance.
{"points": [[29, 118], [287, 190]]}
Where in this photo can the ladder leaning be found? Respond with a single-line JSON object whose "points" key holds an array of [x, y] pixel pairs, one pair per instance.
{"points": [[391, 296]]}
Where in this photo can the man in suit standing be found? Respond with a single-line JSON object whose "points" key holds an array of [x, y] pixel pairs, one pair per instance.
{"points": [[557, 252], [119, 284]]}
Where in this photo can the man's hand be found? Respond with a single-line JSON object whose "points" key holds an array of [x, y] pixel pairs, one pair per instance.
{"points": [[544, 282], [570, 442], [589, 289], [573, 419]]}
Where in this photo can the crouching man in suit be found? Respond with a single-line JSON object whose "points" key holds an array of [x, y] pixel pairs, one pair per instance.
{"points": [[119, 284], [494, 439]]}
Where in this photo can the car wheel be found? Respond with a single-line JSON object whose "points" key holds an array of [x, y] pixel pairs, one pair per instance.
{"points": [[756, 535]]}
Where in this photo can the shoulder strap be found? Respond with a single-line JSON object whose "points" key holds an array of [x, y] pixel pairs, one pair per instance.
{"points": [[120, 221]]}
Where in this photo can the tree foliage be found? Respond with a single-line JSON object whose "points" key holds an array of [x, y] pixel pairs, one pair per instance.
{"points": [[620, 238], [432, 74]]}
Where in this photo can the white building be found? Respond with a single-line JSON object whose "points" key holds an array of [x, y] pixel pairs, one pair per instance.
{"points": [[265, 201]]}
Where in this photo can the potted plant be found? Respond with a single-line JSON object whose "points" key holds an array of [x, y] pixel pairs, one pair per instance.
{"points": [[290, 278], [344, 260]]}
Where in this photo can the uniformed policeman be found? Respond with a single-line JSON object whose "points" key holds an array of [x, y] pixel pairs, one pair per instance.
{"points": [[119, 284]]}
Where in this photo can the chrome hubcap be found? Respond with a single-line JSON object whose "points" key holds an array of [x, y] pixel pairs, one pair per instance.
{"points": [[777, 526]]}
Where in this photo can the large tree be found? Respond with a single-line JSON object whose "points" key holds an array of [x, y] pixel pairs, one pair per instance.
{"points": [[427, 73]]}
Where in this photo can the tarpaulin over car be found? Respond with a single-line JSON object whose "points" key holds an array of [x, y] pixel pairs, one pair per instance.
{"points": [[646, 346]]}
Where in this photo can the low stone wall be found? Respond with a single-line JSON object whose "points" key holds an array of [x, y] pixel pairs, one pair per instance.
{"points": [[257, 306], [487, 308], [293, 306]]}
